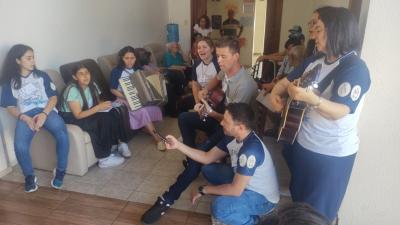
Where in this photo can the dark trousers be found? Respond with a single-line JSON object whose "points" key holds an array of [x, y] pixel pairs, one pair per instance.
{"points": [[188, 123], [104, 128], [175, 88]]}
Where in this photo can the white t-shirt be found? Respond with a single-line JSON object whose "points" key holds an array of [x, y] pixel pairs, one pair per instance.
{"points": [[203, 32], [335, 137]]}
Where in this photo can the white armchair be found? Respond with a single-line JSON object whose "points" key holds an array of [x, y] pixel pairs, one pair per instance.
{"points": [[43, 147]]}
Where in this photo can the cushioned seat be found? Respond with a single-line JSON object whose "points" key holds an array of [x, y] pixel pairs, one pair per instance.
{"points": [[43, 147], [95, 71]]}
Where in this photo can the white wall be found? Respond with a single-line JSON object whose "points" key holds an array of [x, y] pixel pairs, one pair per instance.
{"points": [[67, 30], [221, 8], [179, 12], [373, 195], [295, 12]]}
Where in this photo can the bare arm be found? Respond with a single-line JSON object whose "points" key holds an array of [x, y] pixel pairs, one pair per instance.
{"points": [[200, 156], [195, 91], [117, 93], [76, 109], [328, 109], [236, 188]]}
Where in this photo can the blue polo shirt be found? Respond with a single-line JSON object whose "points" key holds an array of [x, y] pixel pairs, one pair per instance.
{"points": [[251, 158]]}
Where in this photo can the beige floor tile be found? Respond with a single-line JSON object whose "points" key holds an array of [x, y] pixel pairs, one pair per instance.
{"points": [[143, 197], [140, 165], [168, 168], [81, 187], [111, 191], [185, 204], [203, 207], [125, 180]]}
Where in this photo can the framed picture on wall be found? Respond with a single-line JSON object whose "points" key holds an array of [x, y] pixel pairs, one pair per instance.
{"points": [[216, 21]]}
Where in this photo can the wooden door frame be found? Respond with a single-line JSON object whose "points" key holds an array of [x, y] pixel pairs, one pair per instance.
{"points": [[273, 26]]}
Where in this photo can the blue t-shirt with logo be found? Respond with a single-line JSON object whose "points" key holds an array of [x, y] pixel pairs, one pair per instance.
{"points": [[35, 91], [251, 158]]}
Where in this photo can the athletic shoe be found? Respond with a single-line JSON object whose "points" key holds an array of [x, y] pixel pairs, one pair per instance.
{"points": [[111, 161], [58, 177], [155, 212], [31, 184], [123, 149]]}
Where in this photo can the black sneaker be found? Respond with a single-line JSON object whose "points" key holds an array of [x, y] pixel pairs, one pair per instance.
{"points": [[155, 212], [31, 183]]}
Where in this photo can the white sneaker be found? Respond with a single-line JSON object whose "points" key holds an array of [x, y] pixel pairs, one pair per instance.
{"points": [[123, 149], [114, 148], [111, 161]]}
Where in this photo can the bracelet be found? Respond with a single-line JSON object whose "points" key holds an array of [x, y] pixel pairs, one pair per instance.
{"points": [[318, 103], [200, 189], [20, 115], [47, 115]]}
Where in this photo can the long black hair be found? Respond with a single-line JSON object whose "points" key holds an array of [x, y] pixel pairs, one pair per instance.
{"points": [[343, 34], [11, 71], [74, 83], [121, 55]]}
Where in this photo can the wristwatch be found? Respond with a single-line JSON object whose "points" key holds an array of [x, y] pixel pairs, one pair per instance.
{"points": [[200, 189]]}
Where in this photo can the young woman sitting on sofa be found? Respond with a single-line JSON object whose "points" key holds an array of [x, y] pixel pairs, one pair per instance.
{"points": [[81, 105]]}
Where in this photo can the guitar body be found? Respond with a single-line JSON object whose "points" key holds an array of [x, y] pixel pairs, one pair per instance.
{"points": [[293, 113], [216, 99], [292, 116]]}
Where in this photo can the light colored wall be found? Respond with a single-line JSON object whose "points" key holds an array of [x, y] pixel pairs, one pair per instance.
{"points": [[373, 195], [67, 30], [179, 12], [220, 8], [259, 29], [295, 12]]}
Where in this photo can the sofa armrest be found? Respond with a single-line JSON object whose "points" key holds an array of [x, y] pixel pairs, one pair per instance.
{"points": [[7, 130]]}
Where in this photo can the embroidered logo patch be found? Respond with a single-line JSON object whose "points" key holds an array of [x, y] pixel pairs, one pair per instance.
{"points": [[251, 162], [242, 160], [53, 87], [355, 93], [344, 89]]}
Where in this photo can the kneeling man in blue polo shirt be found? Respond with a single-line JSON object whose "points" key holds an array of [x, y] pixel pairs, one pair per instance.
{"points": [[248, 187]]}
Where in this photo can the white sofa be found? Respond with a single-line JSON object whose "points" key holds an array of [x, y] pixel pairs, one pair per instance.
{"points": [[43, 147]]}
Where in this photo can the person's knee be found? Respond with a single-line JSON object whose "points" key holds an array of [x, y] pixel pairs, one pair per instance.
{"points": [[219, 208], [21, 147], [185, 118], [206, 170]]}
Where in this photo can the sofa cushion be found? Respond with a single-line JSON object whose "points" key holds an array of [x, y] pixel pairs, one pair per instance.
{"points": [[157, 53], [57, 79], [107, 63], [95, 71]]}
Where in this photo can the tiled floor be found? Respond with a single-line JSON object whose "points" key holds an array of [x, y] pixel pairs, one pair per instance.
{"points": [[146, 175]]}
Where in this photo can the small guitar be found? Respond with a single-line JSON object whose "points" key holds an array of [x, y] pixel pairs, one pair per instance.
{"points": [[215, 99], [293, 113]]}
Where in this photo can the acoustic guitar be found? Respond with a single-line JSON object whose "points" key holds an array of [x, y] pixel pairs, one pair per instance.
{"points": [[293, 112], [215, 99]]}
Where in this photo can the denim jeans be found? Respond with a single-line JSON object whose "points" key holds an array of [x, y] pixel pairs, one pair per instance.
{"points": [[235, 210], [188, 123], [23, 138]]}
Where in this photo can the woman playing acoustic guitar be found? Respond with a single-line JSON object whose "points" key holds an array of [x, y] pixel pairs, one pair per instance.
{"points": [[322, 157]]}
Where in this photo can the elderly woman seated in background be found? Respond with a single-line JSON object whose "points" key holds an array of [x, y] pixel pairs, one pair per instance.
{"points": [[178, 74]]}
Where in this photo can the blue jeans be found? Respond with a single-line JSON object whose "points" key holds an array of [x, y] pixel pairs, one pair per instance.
{"points": [[23, 138], [188, 123], [235, 210]]}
